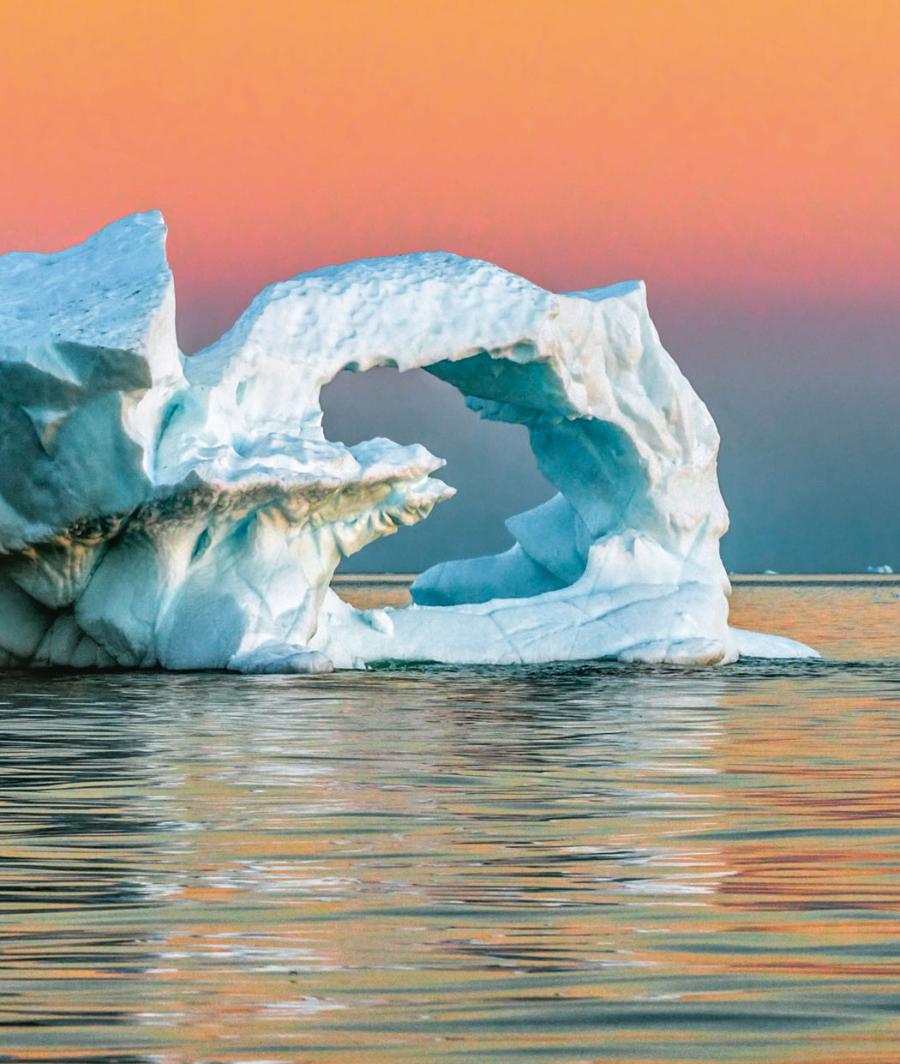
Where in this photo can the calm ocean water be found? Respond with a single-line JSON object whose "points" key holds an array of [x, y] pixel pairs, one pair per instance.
{"points": [[579, 863]]}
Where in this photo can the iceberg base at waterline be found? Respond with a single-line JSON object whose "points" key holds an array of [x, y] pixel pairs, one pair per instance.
{"points": [[158, 510]]}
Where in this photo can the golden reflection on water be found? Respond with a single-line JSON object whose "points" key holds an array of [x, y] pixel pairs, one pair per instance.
{"points": [[586, 863]]}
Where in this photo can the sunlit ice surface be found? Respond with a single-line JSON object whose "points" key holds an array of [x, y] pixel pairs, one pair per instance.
{"points": [[568, 863]]}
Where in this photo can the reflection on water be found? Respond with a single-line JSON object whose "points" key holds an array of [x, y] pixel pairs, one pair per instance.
{"points": [[580, 863]]}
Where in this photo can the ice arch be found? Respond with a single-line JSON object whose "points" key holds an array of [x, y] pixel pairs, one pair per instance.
{"points": [[190, 513]]}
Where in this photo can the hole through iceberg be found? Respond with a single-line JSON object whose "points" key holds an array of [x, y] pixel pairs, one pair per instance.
{"points": [[490, 464]]}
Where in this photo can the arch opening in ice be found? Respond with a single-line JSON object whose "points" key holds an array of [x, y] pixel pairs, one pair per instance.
{"points": [[489, 464]]}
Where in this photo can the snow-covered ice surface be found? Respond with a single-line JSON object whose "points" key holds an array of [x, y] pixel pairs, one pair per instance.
{"points": [[189, 513]]}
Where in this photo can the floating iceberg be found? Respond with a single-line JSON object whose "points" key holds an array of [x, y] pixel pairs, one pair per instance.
{"points": [[189, 513]]}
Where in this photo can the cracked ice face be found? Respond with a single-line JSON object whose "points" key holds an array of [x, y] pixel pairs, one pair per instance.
{"points": [[190, 512]]}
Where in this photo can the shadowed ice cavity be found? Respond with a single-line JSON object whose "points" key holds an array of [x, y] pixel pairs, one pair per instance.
{"points": [[593, 465]]}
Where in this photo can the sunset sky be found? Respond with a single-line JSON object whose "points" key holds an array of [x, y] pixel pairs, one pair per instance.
{"points": [[742, 158]]}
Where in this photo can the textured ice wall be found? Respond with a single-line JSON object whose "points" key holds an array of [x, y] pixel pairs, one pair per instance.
{"points": [[189, 513]]}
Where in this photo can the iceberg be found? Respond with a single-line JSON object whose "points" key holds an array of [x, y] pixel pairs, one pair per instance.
{"points": [[158, 510]]}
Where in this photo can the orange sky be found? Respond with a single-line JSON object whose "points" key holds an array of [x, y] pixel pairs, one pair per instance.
{"points": [[748, 148]]}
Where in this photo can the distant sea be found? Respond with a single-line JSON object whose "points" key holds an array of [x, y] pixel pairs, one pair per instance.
{"points": [[588, 862]]}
